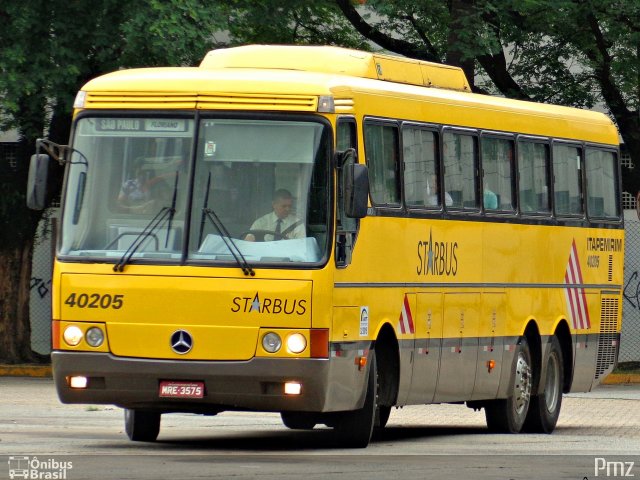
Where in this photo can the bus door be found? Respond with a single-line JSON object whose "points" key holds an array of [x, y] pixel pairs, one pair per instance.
{"points": [[406, 329], [459, 356], [491, 345], [427, 347]]}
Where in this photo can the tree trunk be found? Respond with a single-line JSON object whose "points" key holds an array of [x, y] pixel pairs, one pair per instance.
{"points": [[456, 43], [15, 328]]}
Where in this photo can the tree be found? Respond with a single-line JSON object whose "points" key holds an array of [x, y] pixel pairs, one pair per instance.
{"points": [[48, 49], [571, 52]]}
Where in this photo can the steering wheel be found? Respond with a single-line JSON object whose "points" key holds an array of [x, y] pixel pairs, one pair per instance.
{"points": [[259, 235]]}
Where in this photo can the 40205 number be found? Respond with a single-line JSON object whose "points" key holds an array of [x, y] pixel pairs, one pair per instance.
{"points": [[95, 300]]}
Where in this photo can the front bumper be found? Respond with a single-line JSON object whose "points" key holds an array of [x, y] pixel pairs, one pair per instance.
{"points": [[256, 384]]}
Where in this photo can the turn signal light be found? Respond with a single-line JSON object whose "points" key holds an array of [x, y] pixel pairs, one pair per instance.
{"points": [[491, 364]]}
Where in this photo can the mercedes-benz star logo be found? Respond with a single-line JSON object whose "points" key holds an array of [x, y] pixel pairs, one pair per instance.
{"points": [[181, 342]]}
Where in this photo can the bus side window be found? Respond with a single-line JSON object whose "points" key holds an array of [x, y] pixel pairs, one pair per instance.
{"points": [[602, 184], [497, 167], [460, 166], [533, 165], [346, 134], [381, 142], [421, 177], [347, 227], [567, 180]]}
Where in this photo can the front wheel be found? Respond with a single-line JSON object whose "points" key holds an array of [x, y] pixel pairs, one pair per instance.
{"points": [[545, 407], [141, 425], [354, 428], [508, 415], [382, 416], [298, 420]]}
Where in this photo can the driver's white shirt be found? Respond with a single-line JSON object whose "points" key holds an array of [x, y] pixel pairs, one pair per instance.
{"points": [[269, 221]]}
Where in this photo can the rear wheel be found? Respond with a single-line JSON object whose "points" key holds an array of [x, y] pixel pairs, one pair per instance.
{"points": [[545, 407], [354, 428], [141, 425], [298, 420], [508, 415]]}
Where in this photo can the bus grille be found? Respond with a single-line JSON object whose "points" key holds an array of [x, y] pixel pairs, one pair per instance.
{"points": [[607, 342], [139, 100], [225, 101]]}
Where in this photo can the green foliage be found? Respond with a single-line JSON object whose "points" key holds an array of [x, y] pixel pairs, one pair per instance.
{"points": [[582, 53], [289, 22]]}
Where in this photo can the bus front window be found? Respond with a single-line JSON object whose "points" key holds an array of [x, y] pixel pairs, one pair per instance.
{"points": [[123, 173], [267, 183]]}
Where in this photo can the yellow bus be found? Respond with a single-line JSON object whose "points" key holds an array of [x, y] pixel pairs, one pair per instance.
{"points": [[328, 234]]}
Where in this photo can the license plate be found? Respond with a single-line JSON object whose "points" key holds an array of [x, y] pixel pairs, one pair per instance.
{"points": [[173, 389]]}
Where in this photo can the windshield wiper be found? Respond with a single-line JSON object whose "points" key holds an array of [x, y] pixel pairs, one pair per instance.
{"points": [[228, 241], [155, 223], [224, 233], [151, 227]]}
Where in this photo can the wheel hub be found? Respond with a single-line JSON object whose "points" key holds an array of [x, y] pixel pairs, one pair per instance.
{"points": [[522, 387]]}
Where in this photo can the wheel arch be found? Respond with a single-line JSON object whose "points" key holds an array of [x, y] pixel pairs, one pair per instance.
{"points": [[563, 334], [532, 334], [388, 363]]}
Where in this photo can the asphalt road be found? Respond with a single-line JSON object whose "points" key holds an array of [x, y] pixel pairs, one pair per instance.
{"points": [[598, 433]]}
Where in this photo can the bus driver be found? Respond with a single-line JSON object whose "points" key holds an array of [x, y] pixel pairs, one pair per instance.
{"points": [[280, 221]]}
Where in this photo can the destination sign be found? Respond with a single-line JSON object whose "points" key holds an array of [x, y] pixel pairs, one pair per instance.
{"points": [[141, 125]]}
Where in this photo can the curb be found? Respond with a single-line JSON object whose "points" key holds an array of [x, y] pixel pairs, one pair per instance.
{"points": [[621, 378], [40, 371]]}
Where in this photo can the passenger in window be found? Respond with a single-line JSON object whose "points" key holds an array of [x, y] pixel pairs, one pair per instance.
{"points": [[432, 198], [141, 195], [132, 189], [133, 192], [278, 224], [490, 199]]}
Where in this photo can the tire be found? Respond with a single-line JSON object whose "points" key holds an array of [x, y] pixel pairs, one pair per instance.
{"points": [[298, 420], [382, 416], [141, 425], [354, 428], [545, 407], [508, 415]]}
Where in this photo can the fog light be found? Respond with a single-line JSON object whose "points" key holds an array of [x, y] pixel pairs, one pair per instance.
{"points": [[72, 335], [296, 343], [292, 388], [271, 342], [78, 382], [94, 337]]}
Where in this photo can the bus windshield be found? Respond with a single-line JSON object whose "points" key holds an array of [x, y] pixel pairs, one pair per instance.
{"points": [[257, 193]]}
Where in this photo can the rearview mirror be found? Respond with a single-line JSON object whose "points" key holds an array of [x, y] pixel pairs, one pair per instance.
{"points": [[37, 181], [356, 190]]}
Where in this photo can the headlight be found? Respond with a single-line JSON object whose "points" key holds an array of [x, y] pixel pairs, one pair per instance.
{"points": [[271, 342], [296, 343], [94, 337], [72, 335]]}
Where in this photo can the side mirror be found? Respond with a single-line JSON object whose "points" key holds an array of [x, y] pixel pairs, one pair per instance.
{"points": [[37, 181], [356, 190]]}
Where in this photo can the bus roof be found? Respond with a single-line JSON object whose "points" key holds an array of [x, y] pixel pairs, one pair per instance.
{"points": [[340, 61], [291, 78]]}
